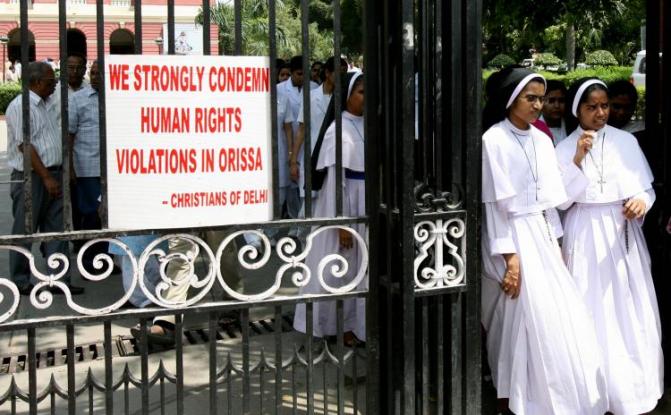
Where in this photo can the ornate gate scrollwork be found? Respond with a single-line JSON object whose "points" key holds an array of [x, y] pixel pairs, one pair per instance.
{"points": [[249, 257]]}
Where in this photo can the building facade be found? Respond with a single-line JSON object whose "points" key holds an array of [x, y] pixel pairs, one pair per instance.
{"points": [[81, 23]]}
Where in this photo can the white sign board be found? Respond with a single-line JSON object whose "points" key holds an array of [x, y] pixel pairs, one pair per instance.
{"points": [[188, 140], [188, 39]]}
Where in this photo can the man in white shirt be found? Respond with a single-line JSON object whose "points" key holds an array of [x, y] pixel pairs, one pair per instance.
{"points": [[75, 67], [319, 102], [46, 160], [293, 89]]}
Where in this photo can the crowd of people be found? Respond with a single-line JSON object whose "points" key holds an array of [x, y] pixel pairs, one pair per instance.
{"points": [[569, 307], [46, 161], [13, 71], [84, 178], [291, 177]]}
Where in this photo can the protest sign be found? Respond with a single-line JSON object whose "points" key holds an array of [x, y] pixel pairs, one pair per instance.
{"points": [[188, 141]]}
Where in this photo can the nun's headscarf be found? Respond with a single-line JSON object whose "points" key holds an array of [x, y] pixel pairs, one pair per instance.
{"points": [[577, 94], [347, 84], [580, 92], [502, 88]]}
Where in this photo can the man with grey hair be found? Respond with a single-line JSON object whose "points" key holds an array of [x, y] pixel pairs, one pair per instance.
{"points": [[46, 159]]}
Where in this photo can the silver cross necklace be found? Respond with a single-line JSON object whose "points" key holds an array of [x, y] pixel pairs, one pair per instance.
{"points": [[599, 169], [534, 169]]}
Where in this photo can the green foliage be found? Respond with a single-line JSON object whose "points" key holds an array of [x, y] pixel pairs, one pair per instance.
{"points": [[8, 92], [547, 59], [608, 75], [601, 58], [255, 30], [640, 105], [553, 39], [352, 35], [500, 61], [515, 26]]}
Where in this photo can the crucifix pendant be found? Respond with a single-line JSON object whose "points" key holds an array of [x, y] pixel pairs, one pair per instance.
{"points": [[538, 188], [601, 182]]}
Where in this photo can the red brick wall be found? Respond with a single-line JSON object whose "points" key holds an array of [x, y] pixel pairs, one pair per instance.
{"points": [[47, 45]]}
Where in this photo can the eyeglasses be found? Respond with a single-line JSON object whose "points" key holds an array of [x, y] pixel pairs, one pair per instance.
{"points": [[533, 98]]}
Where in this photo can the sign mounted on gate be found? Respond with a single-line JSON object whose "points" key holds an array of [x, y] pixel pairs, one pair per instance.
{"points": [[188, 140]]}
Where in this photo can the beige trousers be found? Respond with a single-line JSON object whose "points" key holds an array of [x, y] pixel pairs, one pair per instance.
{"points": [[178, 269]]}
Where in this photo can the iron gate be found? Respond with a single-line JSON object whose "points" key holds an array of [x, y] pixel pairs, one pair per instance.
{"points": [[423, 351], [426, 116]]}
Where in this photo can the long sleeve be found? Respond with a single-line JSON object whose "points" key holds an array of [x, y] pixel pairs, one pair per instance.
{"points": [[648, 197], [499, 231], [575, 182]]}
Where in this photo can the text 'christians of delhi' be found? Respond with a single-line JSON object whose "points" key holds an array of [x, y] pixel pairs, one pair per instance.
{"points": [[192, 120]]}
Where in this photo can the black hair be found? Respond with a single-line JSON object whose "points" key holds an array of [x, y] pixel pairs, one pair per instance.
{"points": [[554, 85], [296, 63], [499, 87], [572, 121], [623, 87], [281, 64], [330, 63], [318, 176], [316, 63]]}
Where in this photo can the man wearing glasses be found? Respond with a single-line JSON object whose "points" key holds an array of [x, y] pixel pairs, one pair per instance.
{"points": [[46, 175]]}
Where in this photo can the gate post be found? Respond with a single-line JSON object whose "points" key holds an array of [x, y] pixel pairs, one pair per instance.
{"points": [[421, 353]]}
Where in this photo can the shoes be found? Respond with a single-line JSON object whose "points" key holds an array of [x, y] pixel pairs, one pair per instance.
{"points": [[350, 340], [229, 318], [161, 333]]}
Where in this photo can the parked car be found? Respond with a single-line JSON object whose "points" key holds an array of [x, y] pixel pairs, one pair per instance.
{"points": [[638, 74], [528, 63]]}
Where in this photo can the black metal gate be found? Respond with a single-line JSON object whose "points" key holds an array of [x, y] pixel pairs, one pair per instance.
{"points": [[424, 115], [423, 349], [658, 152]]}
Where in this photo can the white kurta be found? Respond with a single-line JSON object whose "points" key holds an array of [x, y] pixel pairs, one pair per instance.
{"points": [[319, 102], [541, 346], [328, 242], [608, 258]]}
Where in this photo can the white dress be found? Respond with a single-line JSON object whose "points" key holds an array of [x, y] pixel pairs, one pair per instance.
{"points": [[328, 242], [608, 258], [541, 346]]}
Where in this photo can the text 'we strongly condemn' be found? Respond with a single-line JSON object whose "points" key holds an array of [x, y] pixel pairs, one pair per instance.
{"points": [[184, 78]]}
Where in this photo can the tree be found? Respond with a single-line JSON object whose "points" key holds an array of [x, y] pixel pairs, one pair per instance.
{"points": [[255, 30], [514, 26]]}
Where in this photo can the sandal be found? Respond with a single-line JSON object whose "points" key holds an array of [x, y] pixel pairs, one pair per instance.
{"points": [[350, 340], [160, 333]]}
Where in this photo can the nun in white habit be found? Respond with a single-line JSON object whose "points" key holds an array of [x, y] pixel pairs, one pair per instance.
{"points": [[541, 346], [334, 241], [606, 253]]}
